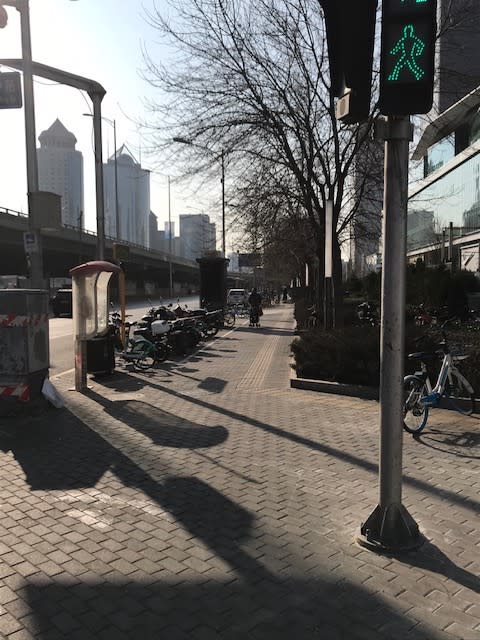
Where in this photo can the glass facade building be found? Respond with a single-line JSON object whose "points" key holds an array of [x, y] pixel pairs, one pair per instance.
{"points": [[444, 207]]}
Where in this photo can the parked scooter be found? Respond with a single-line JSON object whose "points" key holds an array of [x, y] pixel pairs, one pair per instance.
{"points": [[137, 350], [208, 322], [180, 334]]}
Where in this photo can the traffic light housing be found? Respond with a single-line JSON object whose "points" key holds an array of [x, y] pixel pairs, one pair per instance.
{"points": [[407, 59], [350, 26]]}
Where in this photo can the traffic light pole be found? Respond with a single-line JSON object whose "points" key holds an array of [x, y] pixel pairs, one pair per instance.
{"points": [[390, 527]]}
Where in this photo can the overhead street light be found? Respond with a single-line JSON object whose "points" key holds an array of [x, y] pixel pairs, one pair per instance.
{"points": [[222, 160], [96, 93], [36, 257]]}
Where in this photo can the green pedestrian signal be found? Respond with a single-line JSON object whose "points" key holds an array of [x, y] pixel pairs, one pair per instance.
{"points": [[408, 49], [407, 56]]}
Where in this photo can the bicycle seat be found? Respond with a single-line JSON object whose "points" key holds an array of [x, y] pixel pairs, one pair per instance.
{"points": [[425, 355]]}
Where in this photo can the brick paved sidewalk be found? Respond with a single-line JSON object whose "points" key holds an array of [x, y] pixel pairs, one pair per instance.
{"points": [[209, 500]]}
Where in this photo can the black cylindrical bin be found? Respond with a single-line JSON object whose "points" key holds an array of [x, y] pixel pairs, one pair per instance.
{"points": [[100, 354]]}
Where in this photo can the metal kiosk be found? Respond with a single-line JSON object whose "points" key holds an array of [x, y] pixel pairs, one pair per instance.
{"points": [[94, 350]]}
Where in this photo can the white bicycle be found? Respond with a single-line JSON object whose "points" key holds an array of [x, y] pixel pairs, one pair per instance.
{"points": [[420, 396]]}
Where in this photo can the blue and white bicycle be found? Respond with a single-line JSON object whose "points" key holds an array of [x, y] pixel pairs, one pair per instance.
{"points": [[420, 396]]}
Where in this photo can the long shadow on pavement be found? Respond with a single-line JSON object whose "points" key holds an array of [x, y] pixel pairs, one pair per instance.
{"points": [[228, 594], [466, 502], [462, 444], [431, 558]]}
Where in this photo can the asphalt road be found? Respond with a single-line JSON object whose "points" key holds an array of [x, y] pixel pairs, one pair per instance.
{"points": [[61, 332]]}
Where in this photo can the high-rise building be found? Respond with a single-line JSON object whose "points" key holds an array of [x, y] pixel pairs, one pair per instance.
{"points": [[157, 237], [458, 73], [197, 235], [458, 62], [133, 184], [60, 171], [169, 228]]}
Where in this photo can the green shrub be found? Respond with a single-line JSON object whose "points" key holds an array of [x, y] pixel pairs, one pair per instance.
{"points": [[352, 355], [348, 355]]}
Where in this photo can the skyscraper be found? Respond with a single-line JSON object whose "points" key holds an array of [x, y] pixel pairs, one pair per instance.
{"points": [[133, 185], [60, 171], [458, 62], [197, 235]]}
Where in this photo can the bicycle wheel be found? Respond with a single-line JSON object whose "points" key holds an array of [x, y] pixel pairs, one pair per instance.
{"points": [[145, 360], [161, 353], [229, 319], [414, 414], [458, 395]]}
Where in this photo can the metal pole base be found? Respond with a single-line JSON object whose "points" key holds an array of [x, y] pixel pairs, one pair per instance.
{"points": [[390, 529]]}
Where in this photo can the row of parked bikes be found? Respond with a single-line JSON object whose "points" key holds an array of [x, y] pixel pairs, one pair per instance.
{"points": [[165, 332]]}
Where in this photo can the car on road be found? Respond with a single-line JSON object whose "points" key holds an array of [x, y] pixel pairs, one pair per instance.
{"points": [[62, 303]]}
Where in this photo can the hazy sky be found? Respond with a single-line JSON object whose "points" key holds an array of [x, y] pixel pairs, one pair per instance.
{"points": [[101, 40]]}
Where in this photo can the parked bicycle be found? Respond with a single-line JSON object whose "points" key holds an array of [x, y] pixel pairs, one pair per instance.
{"points": [[420, 396], [229, 318], [140, 352], [240, 311]]}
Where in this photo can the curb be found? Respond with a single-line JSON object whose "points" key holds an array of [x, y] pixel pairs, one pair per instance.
{"points": [[357, 391], [326, 386]]}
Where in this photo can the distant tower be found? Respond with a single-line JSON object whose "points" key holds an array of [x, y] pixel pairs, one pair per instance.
{"points": [[133, 199], [60, 171], [197, 235]]}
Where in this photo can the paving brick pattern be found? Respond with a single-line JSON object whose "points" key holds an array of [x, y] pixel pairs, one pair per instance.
{"points": [[208, 500]]}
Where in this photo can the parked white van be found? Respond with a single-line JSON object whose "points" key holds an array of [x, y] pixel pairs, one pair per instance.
{"points": [[237, 296]]}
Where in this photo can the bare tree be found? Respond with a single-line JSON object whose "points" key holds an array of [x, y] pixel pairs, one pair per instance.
{"points": [[251, 79]]}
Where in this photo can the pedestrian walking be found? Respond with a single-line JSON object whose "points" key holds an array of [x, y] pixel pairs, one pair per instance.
{"points": [[255, 302]]}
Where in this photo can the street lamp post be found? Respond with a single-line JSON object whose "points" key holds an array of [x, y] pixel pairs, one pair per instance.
{"points": [[36, 257], [222, 160], [223, 202], [170, 270], [117, 209]]}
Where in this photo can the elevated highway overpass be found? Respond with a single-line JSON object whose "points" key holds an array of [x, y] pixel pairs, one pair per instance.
{"points": [[146, 271]]}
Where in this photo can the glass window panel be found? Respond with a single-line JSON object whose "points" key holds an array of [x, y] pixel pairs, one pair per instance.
{"points": [[440, 153], [454, 198]]}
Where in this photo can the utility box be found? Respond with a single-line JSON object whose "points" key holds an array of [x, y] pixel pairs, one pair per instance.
{"points": [[213, 282], [24, 343]]}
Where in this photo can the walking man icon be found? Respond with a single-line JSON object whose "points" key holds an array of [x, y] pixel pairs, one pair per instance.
{"points": [[410, 47]]}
